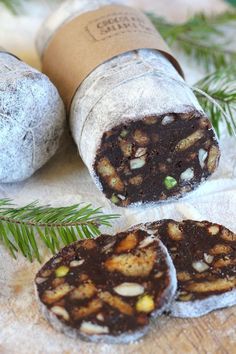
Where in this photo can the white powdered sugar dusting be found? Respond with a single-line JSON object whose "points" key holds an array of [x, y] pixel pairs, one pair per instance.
{"points": [[32, 119]]}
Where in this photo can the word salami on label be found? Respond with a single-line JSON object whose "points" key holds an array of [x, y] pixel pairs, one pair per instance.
{"points": [[95, 37]]}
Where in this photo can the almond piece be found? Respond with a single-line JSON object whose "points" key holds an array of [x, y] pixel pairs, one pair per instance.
{"points": [[202, 155], [208, 258], [140, 152], [129, 289], [116, 302], [139, 264], [168, 119], [187, 175], [200, 266], [109, 245], [100, 317], [46, 273], [57, 260], [137, 163], [76, 263], [147, 241], [174, 232], [60, 311], [91, 328], [127, 244], [158, 275], [213, 230], [40, 280]]}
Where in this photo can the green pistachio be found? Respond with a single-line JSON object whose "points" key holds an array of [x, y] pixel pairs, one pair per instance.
{"points": [[114, 199], [124, 133], [170, 182]]}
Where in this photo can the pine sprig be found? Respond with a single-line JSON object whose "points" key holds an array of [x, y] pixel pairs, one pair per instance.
{"points": [[197, 37], [13, 5], [22, 229], [221, 86]]}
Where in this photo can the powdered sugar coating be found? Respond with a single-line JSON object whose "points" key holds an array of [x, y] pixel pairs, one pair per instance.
{"points": [[32, 119], [125, 88]]}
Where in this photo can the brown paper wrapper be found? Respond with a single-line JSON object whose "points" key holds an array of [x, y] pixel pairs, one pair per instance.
{"points": [[89, 40]]}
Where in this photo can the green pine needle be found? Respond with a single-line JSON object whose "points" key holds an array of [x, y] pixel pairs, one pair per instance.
{"points": [[221, 86], [23, 229], [197, 37], [13, 5]]}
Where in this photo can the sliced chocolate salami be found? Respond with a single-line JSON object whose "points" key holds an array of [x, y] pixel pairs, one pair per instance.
{"points": [[204, 255], [156, 158], [107, 289]]}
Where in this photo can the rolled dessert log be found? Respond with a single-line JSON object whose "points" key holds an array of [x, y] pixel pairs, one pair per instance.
{"points": [[108, 289], [139, 128], [32, 119], [204, 256]]}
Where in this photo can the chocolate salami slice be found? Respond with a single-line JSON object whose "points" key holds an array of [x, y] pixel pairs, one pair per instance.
{"points": [[107, 289], [204, 255]]}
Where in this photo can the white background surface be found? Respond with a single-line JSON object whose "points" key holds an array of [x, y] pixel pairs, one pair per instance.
{"points": [[65, 180]]}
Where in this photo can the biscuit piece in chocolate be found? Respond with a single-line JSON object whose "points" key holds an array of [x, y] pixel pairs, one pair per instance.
{"points": [[107, 289], [156, 158], [204, 255]]}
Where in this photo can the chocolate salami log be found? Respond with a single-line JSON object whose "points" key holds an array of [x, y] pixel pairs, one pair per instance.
{"points": [[107, 289], [138, 127], [204, 255], [32, 119]]}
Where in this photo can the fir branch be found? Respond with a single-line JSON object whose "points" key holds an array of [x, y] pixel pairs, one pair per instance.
{"points": [[13, 5], [197, 37], [22, 229], [221, 86]]}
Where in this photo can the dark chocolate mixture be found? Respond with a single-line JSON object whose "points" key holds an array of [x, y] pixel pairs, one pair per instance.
{"points": [[156, 158], [115, 282], [204, 255]]}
